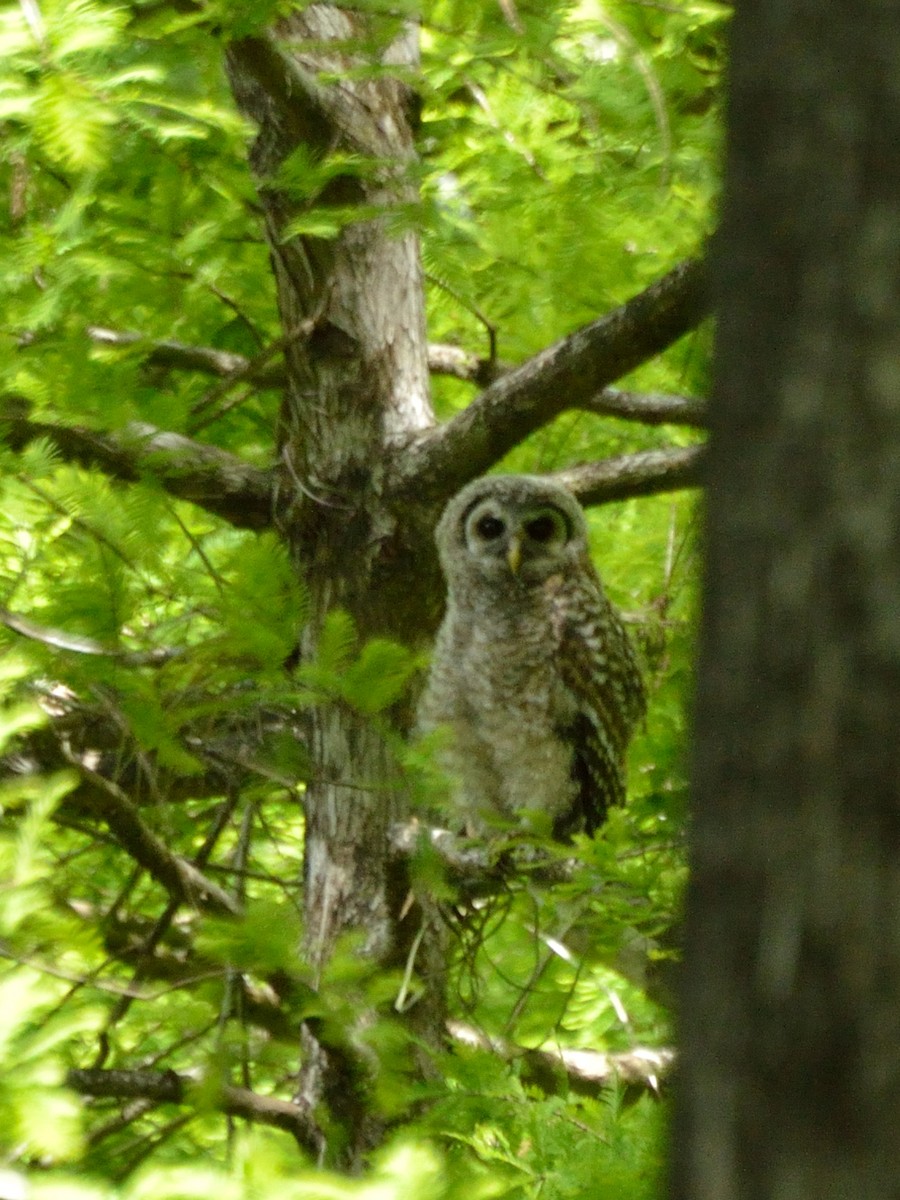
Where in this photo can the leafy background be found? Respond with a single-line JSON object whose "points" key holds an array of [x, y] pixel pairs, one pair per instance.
{"points": [[568, 158]]}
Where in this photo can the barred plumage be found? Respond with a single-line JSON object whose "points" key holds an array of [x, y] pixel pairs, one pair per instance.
{"points": [[533, 671]]}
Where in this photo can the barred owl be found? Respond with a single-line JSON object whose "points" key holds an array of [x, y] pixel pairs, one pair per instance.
{"points": [[533, 671]]}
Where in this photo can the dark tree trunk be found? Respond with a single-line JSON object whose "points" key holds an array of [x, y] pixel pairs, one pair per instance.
{"points": [[790, 1021]]}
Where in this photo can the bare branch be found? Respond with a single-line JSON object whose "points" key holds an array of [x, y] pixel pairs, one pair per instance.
{"points": [[565, 375], [443, 359], [168, 1087], [180, 356], [585, 1071], [63, 640], [219, 482], [650, 408], [645, 473]]}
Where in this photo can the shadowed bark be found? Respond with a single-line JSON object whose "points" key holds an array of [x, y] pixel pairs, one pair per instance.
{"points": [[790, 1018]]}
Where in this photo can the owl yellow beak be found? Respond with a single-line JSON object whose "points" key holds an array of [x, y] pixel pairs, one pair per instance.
{"points": [[514, 554]]}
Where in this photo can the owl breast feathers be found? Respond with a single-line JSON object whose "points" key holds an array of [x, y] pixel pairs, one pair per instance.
{"points": [[533, 672]]}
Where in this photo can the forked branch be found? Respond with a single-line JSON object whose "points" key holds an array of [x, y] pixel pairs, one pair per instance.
{"points": [[569, 374]]}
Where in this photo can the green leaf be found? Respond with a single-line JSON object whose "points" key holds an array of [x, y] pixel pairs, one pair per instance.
{"points": [[72, 123], [379, 676], [337, 642], [265, 939]]}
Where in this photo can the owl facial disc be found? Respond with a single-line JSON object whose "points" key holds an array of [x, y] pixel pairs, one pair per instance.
{"points": [[527, 540]]}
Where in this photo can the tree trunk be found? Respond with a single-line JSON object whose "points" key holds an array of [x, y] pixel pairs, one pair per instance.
{"points": [[790, 1021], [352, 308]]}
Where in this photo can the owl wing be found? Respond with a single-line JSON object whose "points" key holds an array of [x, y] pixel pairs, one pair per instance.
{"points": [[599, 667]]}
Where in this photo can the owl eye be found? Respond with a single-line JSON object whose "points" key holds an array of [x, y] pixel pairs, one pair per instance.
{"points": [[490, 528], [541, 529]]}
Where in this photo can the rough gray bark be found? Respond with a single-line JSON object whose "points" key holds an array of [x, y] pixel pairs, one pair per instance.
{"points": [[357, 382], [641, 474], [790, 1020]]}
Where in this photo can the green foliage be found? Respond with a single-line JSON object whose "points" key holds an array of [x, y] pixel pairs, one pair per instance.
{"points": [[37, 1114], [266, 939], [369, 679], [566, 160], [532, 1145], [405, 1170], [606, 119]]}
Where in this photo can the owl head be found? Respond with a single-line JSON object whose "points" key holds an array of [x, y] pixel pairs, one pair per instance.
{"points": [[511, 529]]}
